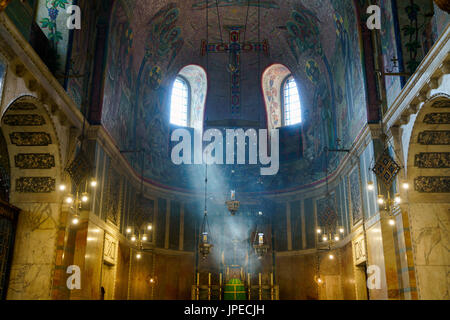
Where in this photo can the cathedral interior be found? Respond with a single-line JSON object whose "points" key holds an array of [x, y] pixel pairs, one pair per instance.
{"points": [[108, 111]]}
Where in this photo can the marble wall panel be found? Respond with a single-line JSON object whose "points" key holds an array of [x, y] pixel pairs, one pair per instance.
{"points": [[89, 257], [34, 250], [295, 277], [347, 273], [376, 257], [430, 223], [123, 268]]}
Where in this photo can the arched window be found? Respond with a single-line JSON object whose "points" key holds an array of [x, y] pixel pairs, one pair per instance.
{"points": [[188, 97], [291, 102], [180, 103]]}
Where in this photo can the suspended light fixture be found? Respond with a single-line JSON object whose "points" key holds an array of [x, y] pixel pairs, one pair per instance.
{"points": [[233, 204], [329, 232], [205, 245], [259, 242], [139, 231]]}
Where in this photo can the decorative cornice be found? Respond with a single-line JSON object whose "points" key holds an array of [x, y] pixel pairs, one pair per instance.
{"points": [[28, 64], [419, 86]]}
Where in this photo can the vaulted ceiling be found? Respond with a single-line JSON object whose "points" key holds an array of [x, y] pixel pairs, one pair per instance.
{"points": [[150, 41]]}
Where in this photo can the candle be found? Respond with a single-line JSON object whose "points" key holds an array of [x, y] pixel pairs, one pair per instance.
{"points": [[233, 194]]}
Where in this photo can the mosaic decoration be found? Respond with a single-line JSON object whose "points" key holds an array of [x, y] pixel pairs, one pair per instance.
{"points": [[442, 104], [386, 169], [22, 106], [34, 161], [428, 160], [80, 168], [434, 138], [144, 210], [24, 120], [29, 139], [235, 48], [272, 80], [432, 184], [390, 48], [437, 118], [35, 185], [326, 211], [203, 4], [52, 17], [112, 196], [2, 76], [355, 195], [321, 44], [5, 170]]}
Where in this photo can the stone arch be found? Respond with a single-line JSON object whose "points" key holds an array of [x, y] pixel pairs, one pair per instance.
{"points": [[35, 162], [428, 173]]}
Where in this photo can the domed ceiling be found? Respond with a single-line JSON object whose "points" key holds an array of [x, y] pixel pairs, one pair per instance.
{"points": [[151, 41]]}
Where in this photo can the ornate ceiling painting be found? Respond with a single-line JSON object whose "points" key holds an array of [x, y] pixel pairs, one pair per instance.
{"points": [[317, 40]]}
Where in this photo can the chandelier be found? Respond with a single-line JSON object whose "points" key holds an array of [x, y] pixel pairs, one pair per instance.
{"points": [[205, 244], [81, 198], [259, 242], [329, 232], [233, 204]]}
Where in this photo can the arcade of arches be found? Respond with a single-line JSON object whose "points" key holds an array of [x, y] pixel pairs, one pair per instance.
{"points": [[93, 207]]}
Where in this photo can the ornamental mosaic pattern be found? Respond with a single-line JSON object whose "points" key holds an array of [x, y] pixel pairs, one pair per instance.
{"points": [[326, 211], [19, 106], [434, 138], [355, 196], [24, 120], [34, 160], [437, 118], [79, 168], [29, 139], [112, 195], [432, 160], [386, 169], [442, 104], [432, 184], [35, 185]]}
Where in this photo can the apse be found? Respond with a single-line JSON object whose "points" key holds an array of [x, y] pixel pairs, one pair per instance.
{"points": [[149, 47]]}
